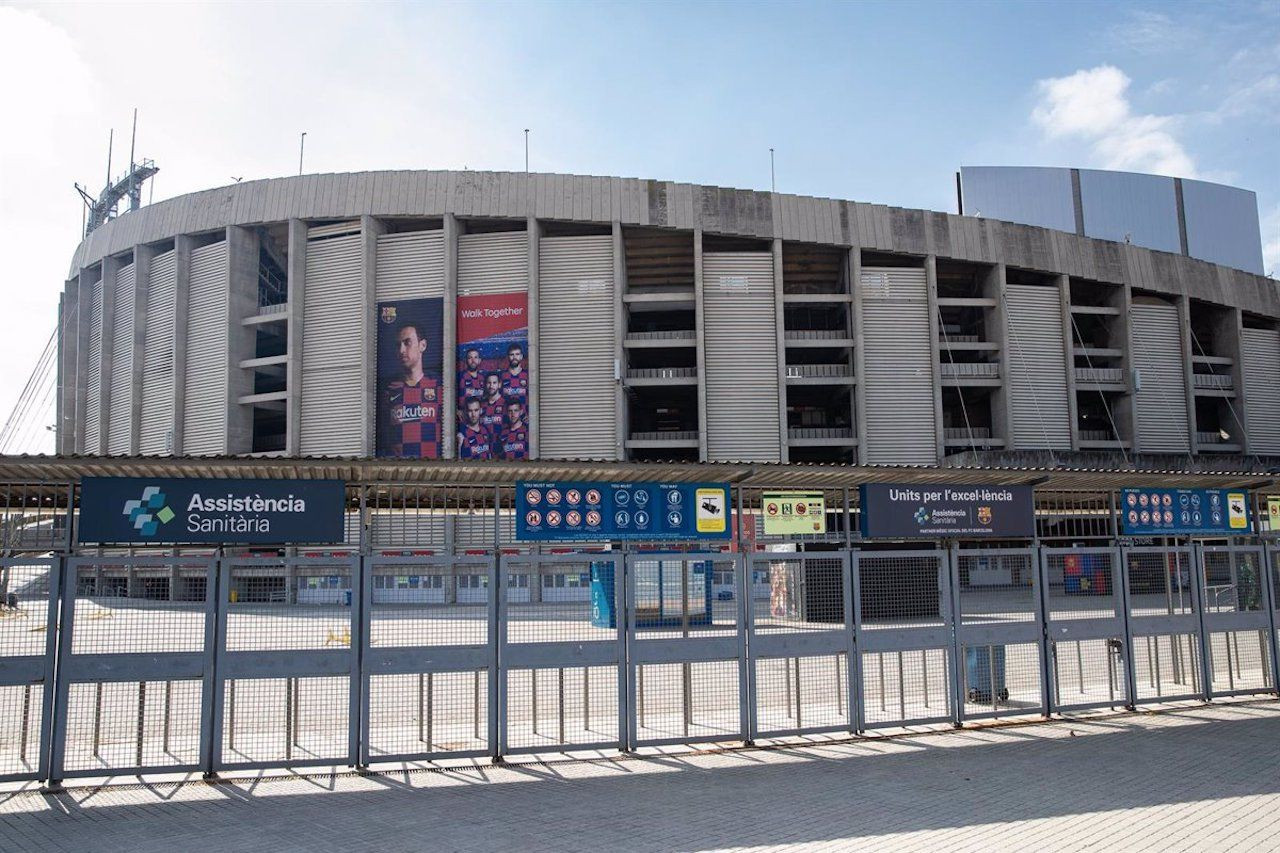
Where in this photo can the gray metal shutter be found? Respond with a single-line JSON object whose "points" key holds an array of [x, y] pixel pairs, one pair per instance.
{"points": [[901, 426], [410, 266], [204, 412], [93, 374], [155, 435], [1260, 352], [120, 416], [1037, 364], [493, 263], [333, 388], [741, 357], [1161, 401], [576, 387]]}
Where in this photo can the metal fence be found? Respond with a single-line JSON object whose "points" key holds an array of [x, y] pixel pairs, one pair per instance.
{"points": [[120, 663]]}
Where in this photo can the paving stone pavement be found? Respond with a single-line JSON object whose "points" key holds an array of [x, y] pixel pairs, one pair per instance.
{"points": [[1189, 778]]}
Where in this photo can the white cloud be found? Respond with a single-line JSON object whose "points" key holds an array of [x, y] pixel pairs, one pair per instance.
{"points": [[1093, 105]]}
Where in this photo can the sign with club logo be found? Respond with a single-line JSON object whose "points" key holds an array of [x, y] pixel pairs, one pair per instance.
{"points": [[794, 513]]}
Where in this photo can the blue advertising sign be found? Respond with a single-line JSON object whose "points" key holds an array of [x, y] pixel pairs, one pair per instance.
{"points": [[1175, 512], [586, 511], [210, 512]]}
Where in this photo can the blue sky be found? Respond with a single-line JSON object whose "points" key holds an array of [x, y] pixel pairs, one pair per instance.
{"points": [[876, 102]]}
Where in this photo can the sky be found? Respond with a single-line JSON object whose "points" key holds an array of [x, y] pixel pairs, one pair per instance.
{"points": [[876, 102]]}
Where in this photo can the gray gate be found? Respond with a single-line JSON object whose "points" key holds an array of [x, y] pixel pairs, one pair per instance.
{"points": [[1164, 623], [800, 640], [1237, 624], [1000, 642], [563, 684], [134, 676], [1085, 616], [28, 608], [905, 666], [430, 665], [687, 679], [287, 690]]}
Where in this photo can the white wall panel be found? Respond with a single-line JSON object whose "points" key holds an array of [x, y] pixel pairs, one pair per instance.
{"points": [[1260, 354], [204, 414], [333, 392], [120, 417], [1161, 401], [493, 263], [93, 374], [155, 436], [410, 266], [901, 423], [1037, 365]]}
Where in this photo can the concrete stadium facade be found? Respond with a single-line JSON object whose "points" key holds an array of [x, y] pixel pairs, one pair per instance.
{"points": [[663, 321]]}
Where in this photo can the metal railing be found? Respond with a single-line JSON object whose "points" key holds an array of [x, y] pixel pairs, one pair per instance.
{"points": [[1213, 381], [1101, 375], [969, 370]]}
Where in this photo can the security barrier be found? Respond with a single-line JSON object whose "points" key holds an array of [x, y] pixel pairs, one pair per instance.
{"points": [[204, 662]]}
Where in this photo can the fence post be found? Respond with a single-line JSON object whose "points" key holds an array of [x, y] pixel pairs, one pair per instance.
{"points": [[631, 667], [497, 713], [951, 573], [746, 632], [1042, 617], [1197, 584], [1272, 602], [62, 688], [620, 622], [218, 597], [52, 675], [1121, 576]]}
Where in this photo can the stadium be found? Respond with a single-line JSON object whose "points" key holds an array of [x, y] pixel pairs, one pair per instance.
{"points": [[550, 423]]}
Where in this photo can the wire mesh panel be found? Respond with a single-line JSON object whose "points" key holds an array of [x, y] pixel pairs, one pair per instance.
{"points": [[999, 639], [430, 656], [288, 655], [1164, 623], [1239, 643], [28, 609], [561, 634], [903, 609], [1085, 611], [687, 679], [136, 666], [799, 641]]}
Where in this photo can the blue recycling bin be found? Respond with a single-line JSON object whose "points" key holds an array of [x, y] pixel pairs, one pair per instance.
{"points": [[984, 674]]}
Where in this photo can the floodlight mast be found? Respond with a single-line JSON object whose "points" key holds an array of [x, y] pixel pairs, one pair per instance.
{"points": [[129, 186]]}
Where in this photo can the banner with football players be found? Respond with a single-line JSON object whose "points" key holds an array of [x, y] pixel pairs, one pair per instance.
{"points": [[493, 376], [410, 365]]}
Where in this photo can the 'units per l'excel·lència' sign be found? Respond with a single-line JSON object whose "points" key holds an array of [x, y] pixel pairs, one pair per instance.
{"points": [[933, 512], [210, 512]]}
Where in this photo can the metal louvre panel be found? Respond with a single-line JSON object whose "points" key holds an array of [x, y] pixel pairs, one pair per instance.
{"points": [[1259, 350], [493, 263], [741, 357], [120, 416], [204, 412], [898, 357], [93, 373], [410, 266], [576, 400], [1037, 364], [157, 357], [333, 388], [1161, 401]]}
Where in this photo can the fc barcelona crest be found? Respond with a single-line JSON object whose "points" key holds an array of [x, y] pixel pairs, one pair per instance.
{"points": [[984, 515], [388, 313]]}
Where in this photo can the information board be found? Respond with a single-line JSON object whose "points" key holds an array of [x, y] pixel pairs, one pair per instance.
{"points": [[932, 512], [572, 511], [1174, 512], [794, 513]]}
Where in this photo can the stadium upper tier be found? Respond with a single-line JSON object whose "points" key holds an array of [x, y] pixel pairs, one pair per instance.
{"points": [[508, 316]]}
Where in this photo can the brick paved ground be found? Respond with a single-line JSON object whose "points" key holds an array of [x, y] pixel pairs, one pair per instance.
{"points": [[1199, 778]]}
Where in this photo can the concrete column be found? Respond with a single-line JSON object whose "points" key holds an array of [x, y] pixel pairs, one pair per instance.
{"points": [[142, 257], [175, 579], [84, 319], [622, 422], [779, 324], [1069, 345], [534, 233], [182, 247], [370, 230], [449, 404], [242, 301], [931, 292], [997, 331], [535, 579], [1125, 415], [68, 350], [450, 578], [1230, 331], [854, 263], [290, 583], [1188, 381], [699, 316], [297, 274], [110, 266]]}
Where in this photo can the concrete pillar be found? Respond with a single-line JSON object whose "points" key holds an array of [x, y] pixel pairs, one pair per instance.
{"points": [[242, 302], [534, 234], [297, 274], [182, 248], [1069, 345], [535, 579], [449, 405], [142, 258], [84, 307], [1230, 331], [450, 578], [68, 349], [290, 583], [1188, 380], [997, 331], [370, 230], [854, 263], [931, 293], [175, 580], [1121, 337], [622, 422], [110, 266], [780, 343], [699, 319]]}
